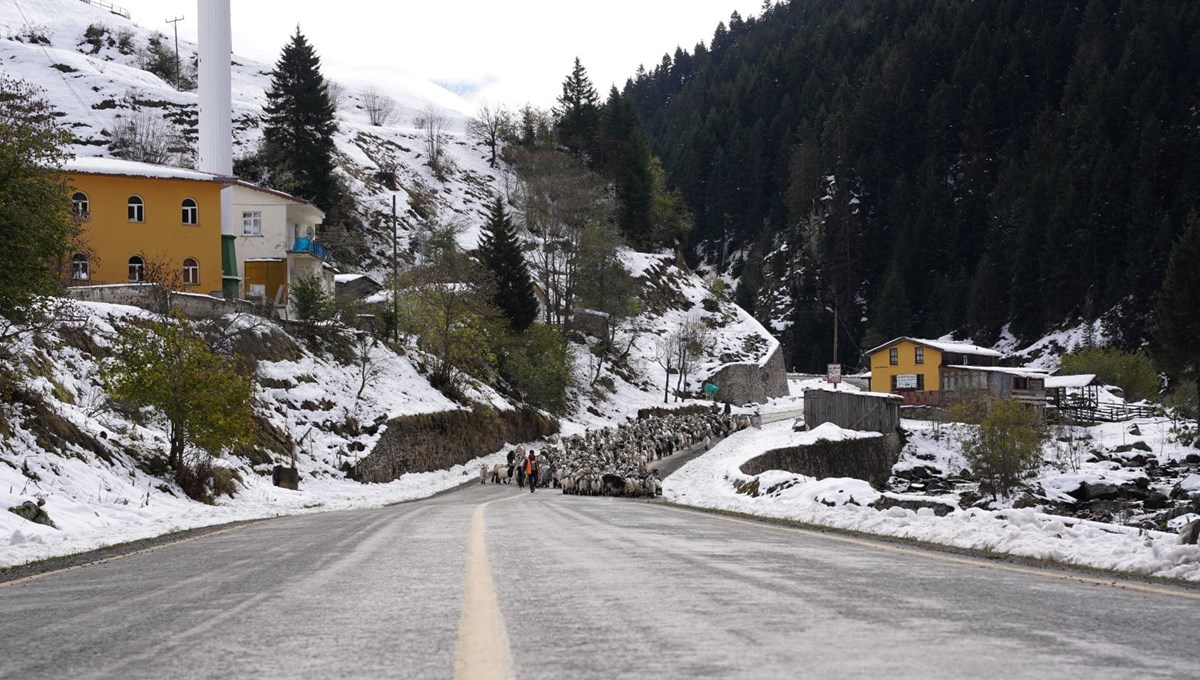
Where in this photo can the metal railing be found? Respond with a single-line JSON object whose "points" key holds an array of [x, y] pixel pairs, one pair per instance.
{"points": [[119, 11], [308, 245]]}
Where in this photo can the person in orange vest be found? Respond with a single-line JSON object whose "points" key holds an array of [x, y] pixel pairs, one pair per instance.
{"points": [[531, 469]]}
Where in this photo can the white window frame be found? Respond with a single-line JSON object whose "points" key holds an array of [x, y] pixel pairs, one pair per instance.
{"points": [[141, 269], [82, 206], [81, 269], [252, 223], [136, 211], [191, 213], [191, 273]]}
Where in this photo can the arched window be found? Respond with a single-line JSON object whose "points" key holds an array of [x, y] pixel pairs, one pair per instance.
{"points": [[82, 205], [137, 209], [137, 269], [191, 272], [190, 212], [80, 271]]}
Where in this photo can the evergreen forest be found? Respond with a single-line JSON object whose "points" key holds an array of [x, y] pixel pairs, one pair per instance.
{"points": [[935, 166]]}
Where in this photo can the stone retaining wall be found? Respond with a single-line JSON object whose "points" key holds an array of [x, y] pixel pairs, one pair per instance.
{"points": [[439, 441], [870, 459], [749, 382]]}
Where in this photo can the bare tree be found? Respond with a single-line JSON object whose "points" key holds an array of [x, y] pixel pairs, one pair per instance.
{"points": [[381, 109], [666, 351], [434, 125], [366, 362], [491, 125], [695, 339], [336, 91], [561, 200], [146, 138]]}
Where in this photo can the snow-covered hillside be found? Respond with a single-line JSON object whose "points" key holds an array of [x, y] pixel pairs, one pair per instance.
{"points": [[92, 461], [89, 62]]}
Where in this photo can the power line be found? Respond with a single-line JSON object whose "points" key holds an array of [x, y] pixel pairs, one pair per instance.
{"points": [[51, 62]]}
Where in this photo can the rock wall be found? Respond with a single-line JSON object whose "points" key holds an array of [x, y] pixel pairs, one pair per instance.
{"points": [[870, 459], [438, 441], [744, 383]]}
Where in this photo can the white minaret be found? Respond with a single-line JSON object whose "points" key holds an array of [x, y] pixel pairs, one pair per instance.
{"points": [[216, 123]]}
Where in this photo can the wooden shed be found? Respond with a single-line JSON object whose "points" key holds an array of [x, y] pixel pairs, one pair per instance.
{"points": [[864, 411]]}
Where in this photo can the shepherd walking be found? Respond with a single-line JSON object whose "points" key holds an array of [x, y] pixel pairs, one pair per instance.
{"points": [[531, 469]]}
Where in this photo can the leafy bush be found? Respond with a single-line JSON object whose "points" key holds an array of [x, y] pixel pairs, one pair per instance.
{"points": [[1006, 445], [205, 397], [1132, 372], [538, 363]]}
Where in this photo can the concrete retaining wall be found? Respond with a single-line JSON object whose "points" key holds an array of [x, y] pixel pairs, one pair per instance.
{"points": [[870, 459], [155, 298]]}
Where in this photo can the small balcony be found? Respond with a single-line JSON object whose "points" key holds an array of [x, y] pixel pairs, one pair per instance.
{"points": [[310, 246]]}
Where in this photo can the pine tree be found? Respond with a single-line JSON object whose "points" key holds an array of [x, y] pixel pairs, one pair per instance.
{"points": [[579, 112], [635, 189], [500, 253], [299, 125], [1178, 328], [985, 309], [891, 315]]}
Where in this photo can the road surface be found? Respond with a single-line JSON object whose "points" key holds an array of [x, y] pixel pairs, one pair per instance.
{"points": [[495, 582]]}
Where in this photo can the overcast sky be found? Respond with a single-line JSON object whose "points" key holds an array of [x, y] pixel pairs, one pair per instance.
{"points": [[513, 52]]}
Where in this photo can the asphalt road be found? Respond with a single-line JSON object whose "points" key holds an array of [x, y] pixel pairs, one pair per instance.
{"points": [[568, 587]]}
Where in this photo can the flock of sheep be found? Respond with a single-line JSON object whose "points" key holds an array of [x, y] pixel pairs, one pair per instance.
{"points": [[614, 461]]}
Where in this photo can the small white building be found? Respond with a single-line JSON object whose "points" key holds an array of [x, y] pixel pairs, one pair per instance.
{"points": [[277, 245]]}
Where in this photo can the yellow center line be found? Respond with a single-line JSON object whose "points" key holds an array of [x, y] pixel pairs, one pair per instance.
{"points": [[482, 651], [955, 559]]}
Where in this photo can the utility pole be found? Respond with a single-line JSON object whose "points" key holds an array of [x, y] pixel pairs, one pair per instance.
{"points": [[178, 68], [835, 324], [395, 277], [835, 334]]}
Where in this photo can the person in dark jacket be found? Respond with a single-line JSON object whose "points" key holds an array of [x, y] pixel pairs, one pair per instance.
{"points": [[531, 469]]}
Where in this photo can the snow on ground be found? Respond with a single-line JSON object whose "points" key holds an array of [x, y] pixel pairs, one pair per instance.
{"points": [[98, 495], [708, 482], [94, 507]]}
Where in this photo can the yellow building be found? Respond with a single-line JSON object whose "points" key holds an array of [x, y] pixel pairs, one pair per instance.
{"points": [[912, 367], [146, 223]]}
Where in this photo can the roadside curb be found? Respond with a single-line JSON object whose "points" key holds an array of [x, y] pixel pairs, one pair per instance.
{"points": [[78, 560]]}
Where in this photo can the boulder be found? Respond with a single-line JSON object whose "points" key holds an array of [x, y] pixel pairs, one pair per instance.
{"points": [[939, 508], [1095, 492], [286, 477], [34, 512], [1134, 491], [1190, 532], [1156, 501]]}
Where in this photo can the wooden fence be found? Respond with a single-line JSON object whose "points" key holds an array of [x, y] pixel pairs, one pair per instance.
{"points": [[1105, 413], [852, 410]]}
